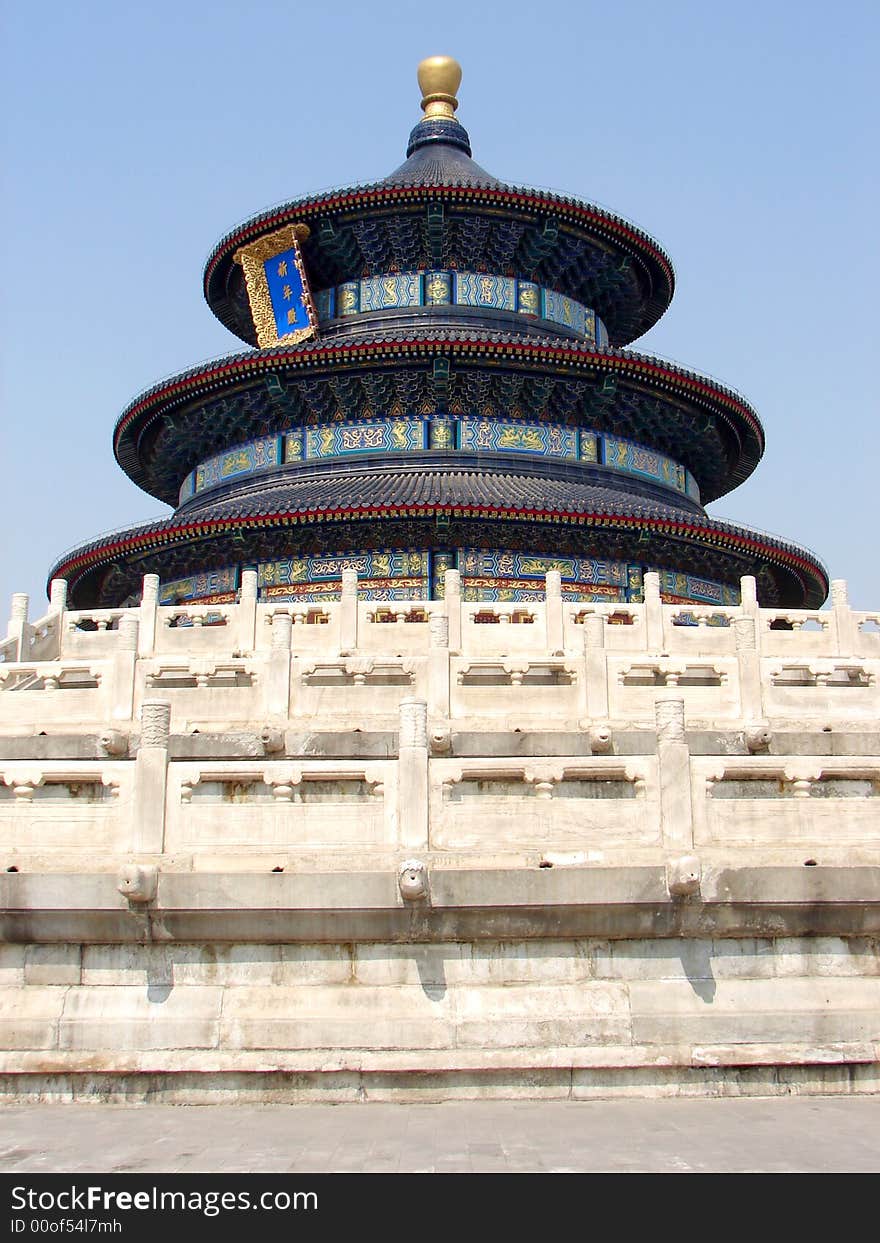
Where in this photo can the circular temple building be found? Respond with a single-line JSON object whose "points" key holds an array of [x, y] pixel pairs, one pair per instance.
{"points": [[435, 375]]}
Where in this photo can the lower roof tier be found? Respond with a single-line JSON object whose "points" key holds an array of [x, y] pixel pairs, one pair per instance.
{"points": [[333, 514]]}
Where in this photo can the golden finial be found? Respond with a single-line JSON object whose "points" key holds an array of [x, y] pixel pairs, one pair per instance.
{"points": [[439, 78]]}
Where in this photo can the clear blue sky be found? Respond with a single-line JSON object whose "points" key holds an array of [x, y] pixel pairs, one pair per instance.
{"points": [[743, 137]]}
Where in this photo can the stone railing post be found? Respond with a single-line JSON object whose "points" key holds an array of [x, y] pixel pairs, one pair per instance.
{"points": [[151, 770], [148, 615], [438, 666], [348, 620], [18, 628], [124, 668], [452, 593], [748, 596], [247, 611], [553, 612], [845, 624], [750, 695], [58, 595], [56, 611], [278, 687], [674, 763], [654, 631], [18, 611], [595, 693], [412, 775]]}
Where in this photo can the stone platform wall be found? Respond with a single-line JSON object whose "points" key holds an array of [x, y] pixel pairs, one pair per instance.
{"points": [[438, 849], [555, 1018]]}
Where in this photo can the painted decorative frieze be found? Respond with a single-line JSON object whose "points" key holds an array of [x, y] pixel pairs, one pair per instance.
{"points": [[437, 288], [394, 290], [379, 293], [348, 298], [247, 459], [686, 588], [214, 587], [496, 436], [414, 433], [564, 310], [635, 459], [481, 289], [343, 439], [382, 575], [244, 460], [528, 298], [507, 575]]}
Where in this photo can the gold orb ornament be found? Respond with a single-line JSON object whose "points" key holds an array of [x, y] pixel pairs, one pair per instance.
{"points": [[439, 79]]}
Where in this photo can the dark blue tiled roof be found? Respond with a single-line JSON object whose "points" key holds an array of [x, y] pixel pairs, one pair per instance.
{"points": [[343, 498], [348, 489], [651, 401], [439, 154]]}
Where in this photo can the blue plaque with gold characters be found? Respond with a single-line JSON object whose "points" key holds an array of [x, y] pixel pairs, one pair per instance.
{"points": [[277, 287]]}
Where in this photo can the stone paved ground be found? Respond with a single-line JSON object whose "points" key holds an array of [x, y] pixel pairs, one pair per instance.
{"points": [[775, 1135]]}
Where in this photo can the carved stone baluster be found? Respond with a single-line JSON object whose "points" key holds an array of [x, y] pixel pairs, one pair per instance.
{"points": [[676, 811], [412, 779]]}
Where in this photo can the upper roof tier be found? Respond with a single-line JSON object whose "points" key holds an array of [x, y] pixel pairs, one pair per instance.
{"points": [[440, 209]]}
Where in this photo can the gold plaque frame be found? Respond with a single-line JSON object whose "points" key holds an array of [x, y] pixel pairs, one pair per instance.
{"points": [[251, 258]]}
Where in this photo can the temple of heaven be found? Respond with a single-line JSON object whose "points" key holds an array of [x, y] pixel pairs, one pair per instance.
{"points": [[435, 375]]}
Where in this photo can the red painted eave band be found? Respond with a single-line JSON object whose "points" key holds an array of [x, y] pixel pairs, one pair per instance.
{"points": [[380, 194], [256, 361], [79, 565]]}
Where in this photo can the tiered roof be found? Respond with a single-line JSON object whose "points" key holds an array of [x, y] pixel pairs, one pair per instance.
{"points": [[456, 358]]}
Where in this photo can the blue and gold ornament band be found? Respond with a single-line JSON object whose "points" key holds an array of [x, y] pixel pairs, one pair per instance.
{"points": [[418, 574], [419, 433], [398, 290]]}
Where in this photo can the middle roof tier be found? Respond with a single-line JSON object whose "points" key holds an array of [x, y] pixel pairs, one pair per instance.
{"points": [[395, 367]]}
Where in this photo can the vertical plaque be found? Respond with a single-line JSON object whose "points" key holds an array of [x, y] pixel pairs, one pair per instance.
{"points": [[277, 287]]}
